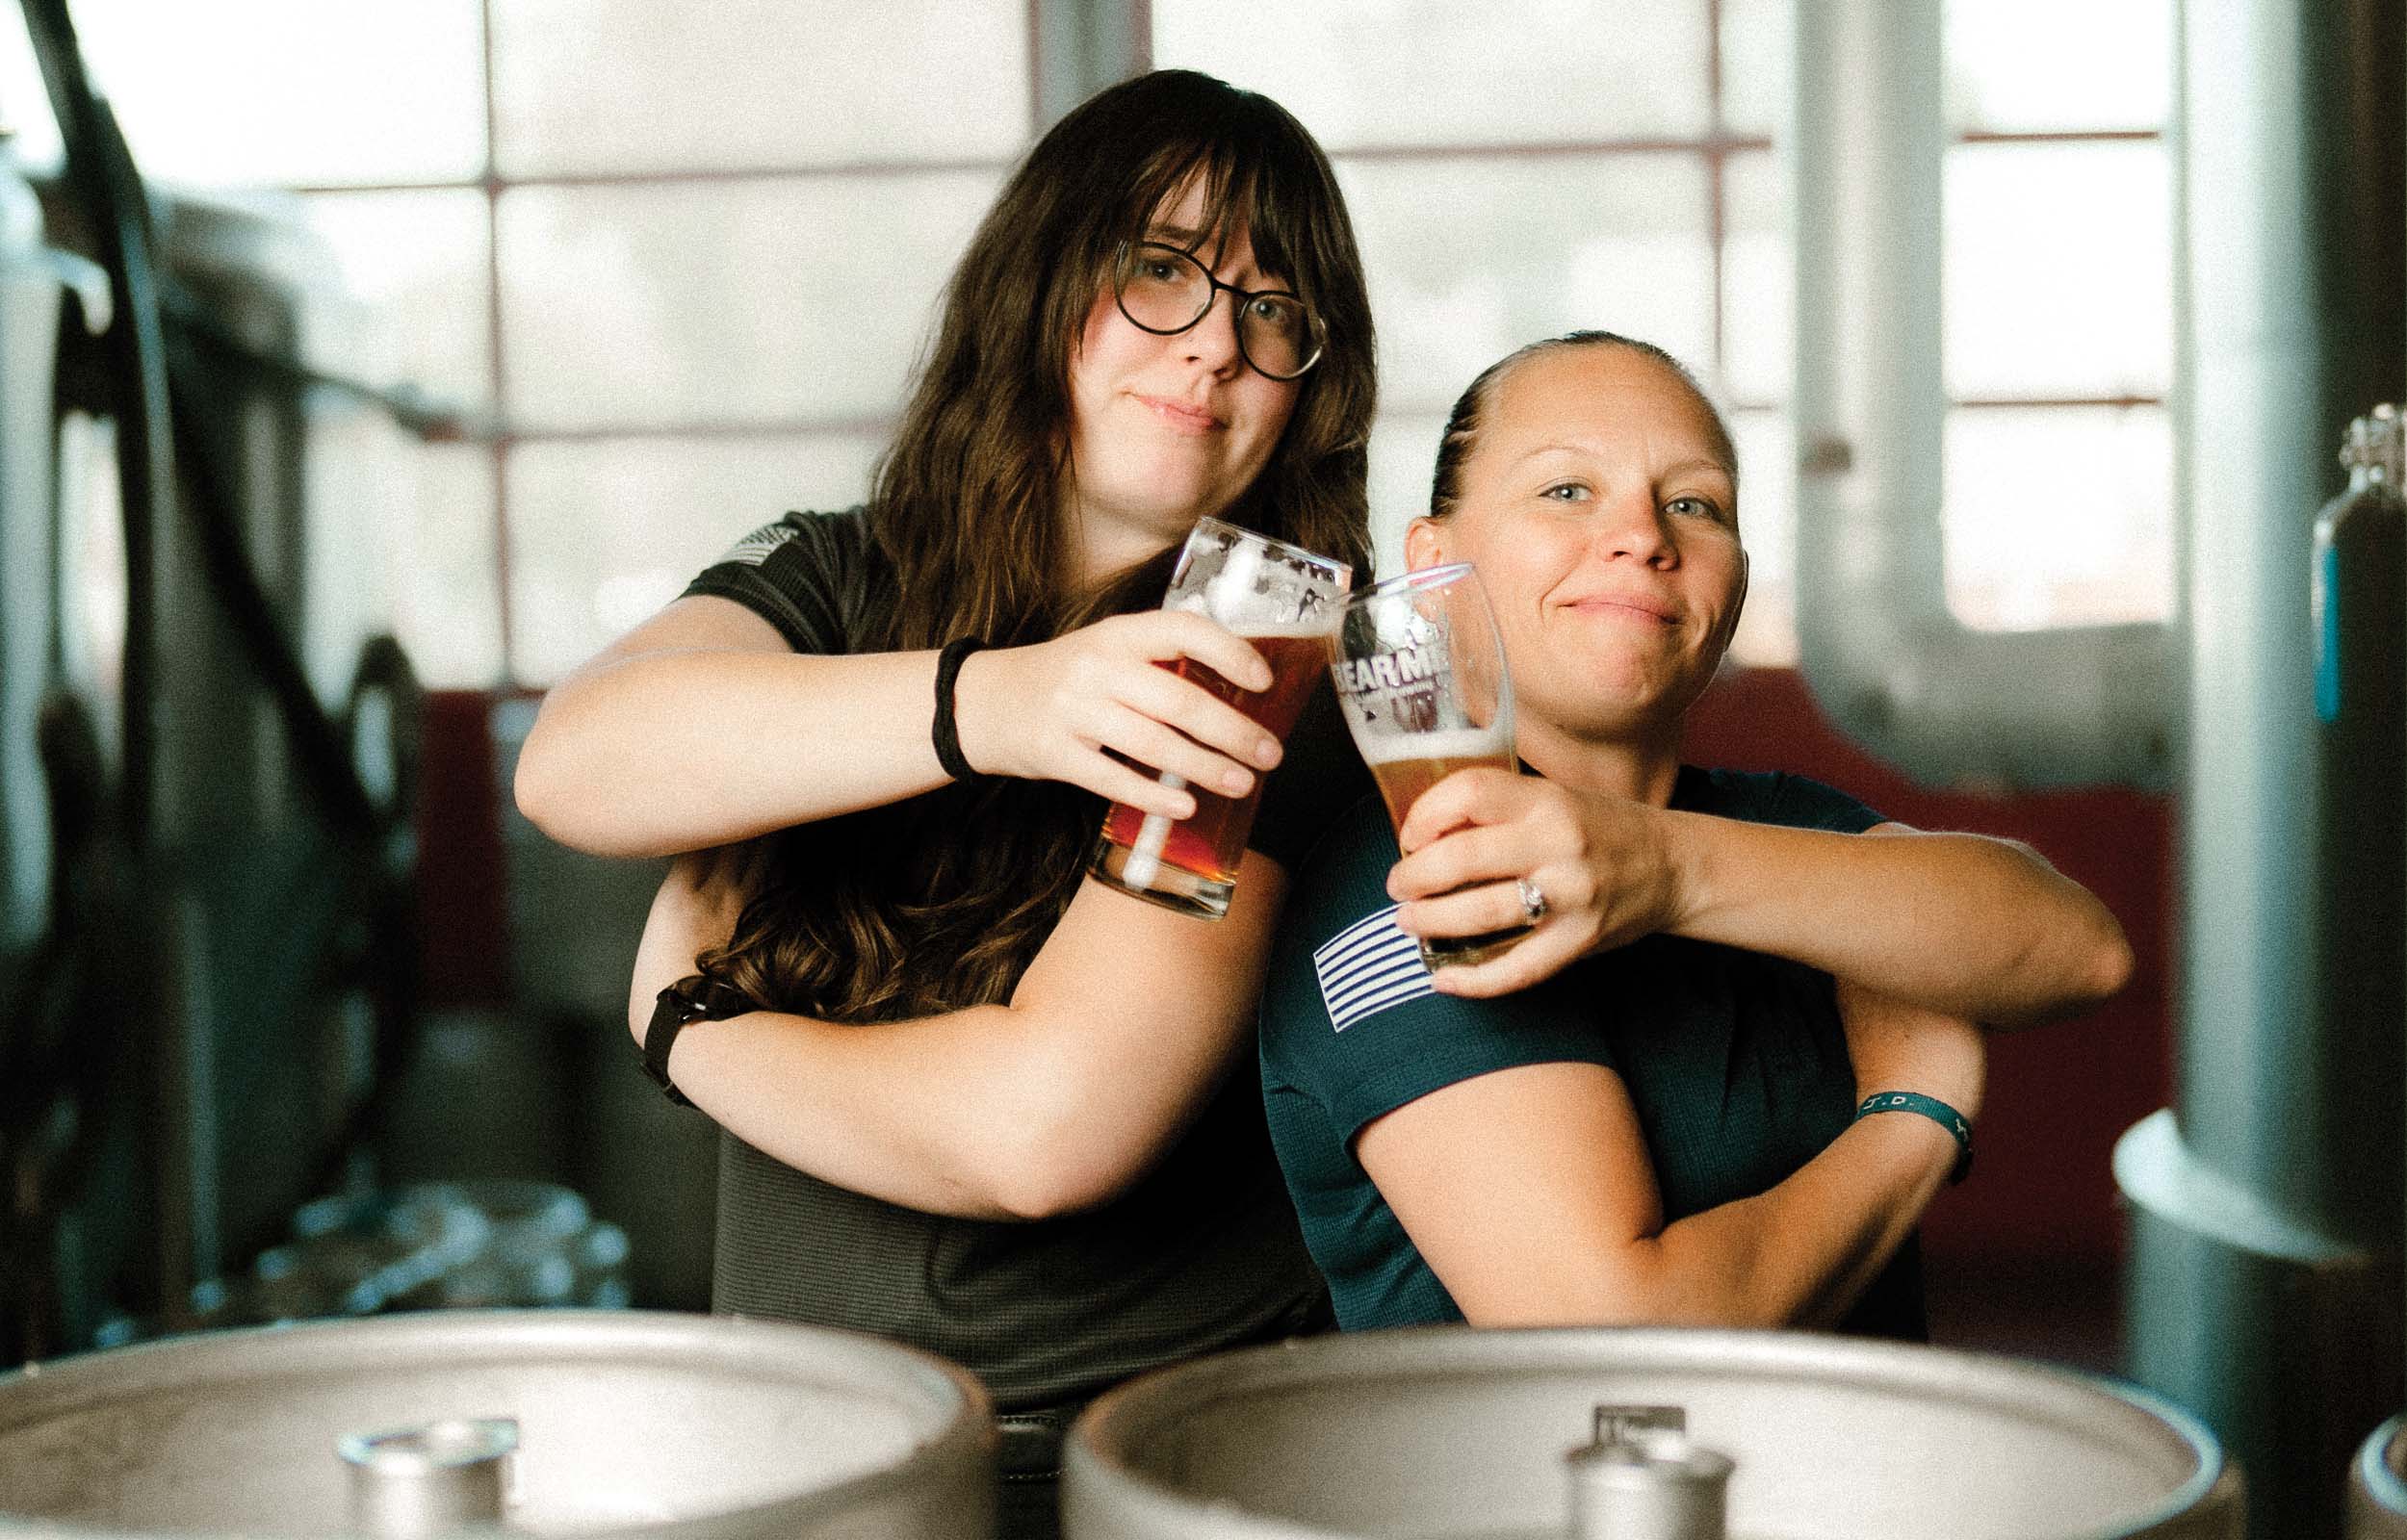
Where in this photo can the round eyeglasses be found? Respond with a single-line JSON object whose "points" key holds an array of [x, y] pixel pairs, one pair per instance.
{"points": [[1165, 291]]}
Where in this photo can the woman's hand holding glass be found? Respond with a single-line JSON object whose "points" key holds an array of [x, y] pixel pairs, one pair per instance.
{"points": [[1606, 868], [1087, 704]]}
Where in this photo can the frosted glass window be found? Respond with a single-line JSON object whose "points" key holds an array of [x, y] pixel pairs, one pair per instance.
{"points": [[2060, 516], [401, 538], [414, 264], [759, 302], [1759, 280], [603, 533], [2034, 66], [1469, 258], [1767, 633], [1419, 72], [2058, 269], [292, 92], [1758, 63], [1403, 451], [620, 85]]}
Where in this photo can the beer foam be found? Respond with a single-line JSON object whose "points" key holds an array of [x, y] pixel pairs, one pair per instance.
{"points": [[1302, 631], [1454, 743]]}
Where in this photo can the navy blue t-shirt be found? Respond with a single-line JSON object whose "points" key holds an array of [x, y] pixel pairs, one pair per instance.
{"points": [[1735, 1061]]}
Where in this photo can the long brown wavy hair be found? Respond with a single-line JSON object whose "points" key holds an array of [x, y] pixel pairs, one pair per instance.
{"points": [[940, 902]]}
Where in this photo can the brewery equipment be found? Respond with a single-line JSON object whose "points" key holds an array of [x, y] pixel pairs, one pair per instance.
{"points": [[1455, 1431], [566, 1421]]}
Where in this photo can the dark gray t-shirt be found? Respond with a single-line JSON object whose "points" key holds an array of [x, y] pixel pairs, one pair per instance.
{"points": [[1202, 1253], [1735, 1062]]}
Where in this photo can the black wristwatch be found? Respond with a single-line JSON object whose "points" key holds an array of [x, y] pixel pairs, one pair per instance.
{"points": [[694, 998]]}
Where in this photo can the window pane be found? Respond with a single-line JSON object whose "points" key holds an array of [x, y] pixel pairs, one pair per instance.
{"points": [[1758, 63], [2060, 516], [617, 85], [1438, 72], [400, 537], [1470, 258], [2025, 65], [601, 534], [2058, 269], [1759, 279], [1403, 450], [415, 263], [1766, 634], [293, 92], [759, 302]]}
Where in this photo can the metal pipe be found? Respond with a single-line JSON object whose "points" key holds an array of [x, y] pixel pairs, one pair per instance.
{"points": [[1886, 660], [2263, 1285]]}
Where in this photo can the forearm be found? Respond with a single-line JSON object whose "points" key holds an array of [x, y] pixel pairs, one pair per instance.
{"points": [[961, 1113], [1802, 1253], [1962, 924], [661, 752], [1116, 1035]]}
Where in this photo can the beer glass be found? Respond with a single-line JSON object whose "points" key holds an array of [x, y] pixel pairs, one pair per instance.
{"points": [[1282, 600], [1420, 675]]}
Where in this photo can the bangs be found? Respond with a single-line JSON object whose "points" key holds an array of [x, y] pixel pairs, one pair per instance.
{"points": [[1241, 186]]}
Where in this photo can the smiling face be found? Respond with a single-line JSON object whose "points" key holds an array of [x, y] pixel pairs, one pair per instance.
{"points": [[1601, 505], [1164, 430]]}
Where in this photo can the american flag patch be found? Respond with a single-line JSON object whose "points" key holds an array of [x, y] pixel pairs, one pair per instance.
{"points": [[1368, 966], [754, 549]]}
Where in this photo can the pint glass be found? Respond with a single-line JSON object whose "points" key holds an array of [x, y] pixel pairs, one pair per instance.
{"points": [[1420, 676], [1282, 599]]}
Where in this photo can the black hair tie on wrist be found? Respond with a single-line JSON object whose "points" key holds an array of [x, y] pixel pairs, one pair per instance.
{"points": [[941, 732]]}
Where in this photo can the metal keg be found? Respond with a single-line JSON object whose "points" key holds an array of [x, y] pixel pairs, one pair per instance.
{"points": [[2377, 1485], [1448, 1432], [551, 1422]]}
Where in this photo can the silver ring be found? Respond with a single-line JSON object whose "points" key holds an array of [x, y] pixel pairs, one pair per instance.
{"points": [[1533, 902]]}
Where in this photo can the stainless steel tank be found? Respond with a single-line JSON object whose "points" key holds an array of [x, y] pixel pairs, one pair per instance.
{"points": [[2377, 1485], [1446, 1431], [626, 1423]]}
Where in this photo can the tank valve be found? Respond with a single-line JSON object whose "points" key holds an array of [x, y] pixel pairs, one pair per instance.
{"points": [[1640, 1479], [413, 1482]]}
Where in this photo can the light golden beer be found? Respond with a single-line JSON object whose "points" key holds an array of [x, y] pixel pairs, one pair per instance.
{"points": [[1406, 765]]}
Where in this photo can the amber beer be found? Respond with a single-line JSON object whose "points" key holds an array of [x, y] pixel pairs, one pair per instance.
{"points": [[1210, 845], [1406, 765]]}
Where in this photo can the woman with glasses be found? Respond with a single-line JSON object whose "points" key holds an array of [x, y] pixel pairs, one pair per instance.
{"points": [[1732, 1059], [969, 1100]]}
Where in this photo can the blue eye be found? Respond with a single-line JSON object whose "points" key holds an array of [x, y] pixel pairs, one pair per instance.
{"points": [[1693, 508], [1565, 492]]}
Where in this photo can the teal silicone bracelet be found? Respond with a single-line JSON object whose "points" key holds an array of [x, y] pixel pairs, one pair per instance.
{"points": [[1933, 1108]]}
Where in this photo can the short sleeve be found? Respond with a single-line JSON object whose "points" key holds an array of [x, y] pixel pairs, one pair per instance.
{"points": [[1318, 779], [1803, 804], [1349, 1018], [1775, 797], [808, 575]]}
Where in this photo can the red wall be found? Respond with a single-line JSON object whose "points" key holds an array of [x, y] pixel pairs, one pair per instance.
{"points": [[463, 902], [2059, 1095]]}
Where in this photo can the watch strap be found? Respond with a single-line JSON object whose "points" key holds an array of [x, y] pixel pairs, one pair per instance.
{"points": [[689, 999]]}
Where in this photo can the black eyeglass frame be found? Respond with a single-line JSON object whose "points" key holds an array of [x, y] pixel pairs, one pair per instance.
{"points": [[1128, 250]]}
